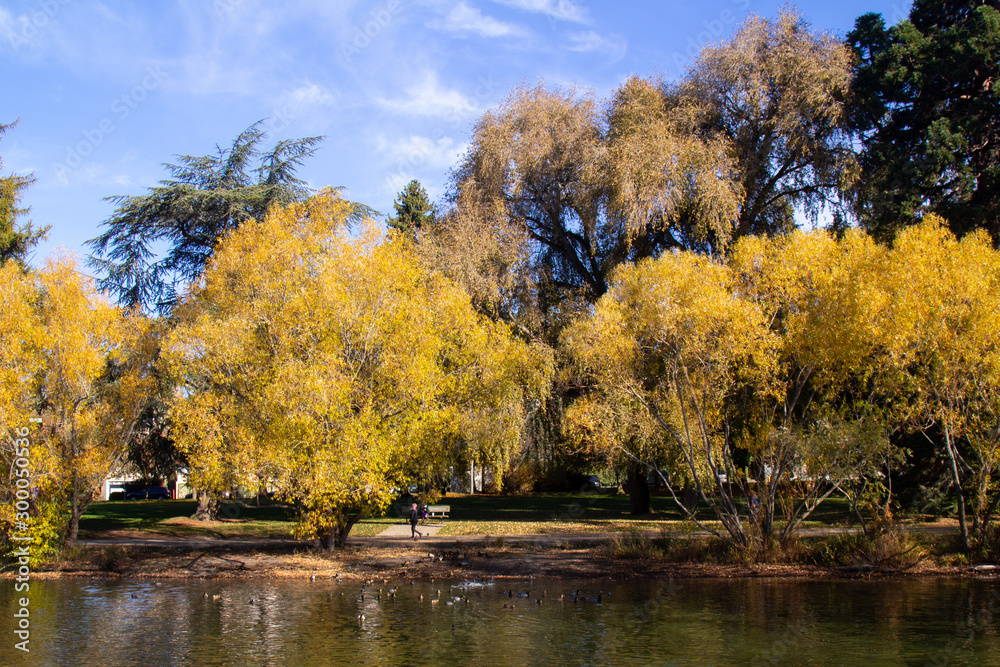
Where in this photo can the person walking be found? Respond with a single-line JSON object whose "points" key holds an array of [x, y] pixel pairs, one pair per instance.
{"points": [[414, 520]]}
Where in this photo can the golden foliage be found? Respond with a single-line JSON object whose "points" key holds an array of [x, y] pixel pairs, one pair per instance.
{"points": [[82, 366], [333, 367]]}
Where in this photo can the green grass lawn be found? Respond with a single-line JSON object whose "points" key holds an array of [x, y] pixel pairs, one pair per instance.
{"points": [[470, 515]]}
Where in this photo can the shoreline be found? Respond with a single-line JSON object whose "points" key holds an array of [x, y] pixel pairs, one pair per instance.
{"points": [[539, 556]]}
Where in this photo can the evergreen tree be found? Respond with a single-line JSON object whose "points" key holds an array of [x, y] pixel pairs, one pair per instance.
{"points": [[206, 198], [413, 210], [927, 112], [15, 240]]}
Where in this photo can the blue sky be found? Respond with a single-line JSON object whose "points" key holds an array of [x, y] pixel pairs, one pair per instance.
{"points": [[106, 92]]}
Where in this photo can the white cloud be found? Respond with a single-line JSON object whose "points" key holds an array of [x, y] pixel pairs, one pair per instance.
{"points": [[564, 10], [417, 151], [465, 19], [396, 181], [307, 105], [87, 174], [414, 157], [614, 46], [428, 98], [305, 98]]}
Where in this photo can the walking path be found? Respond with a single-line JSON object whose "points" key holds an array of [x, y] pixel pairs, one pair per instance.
{"points": [[403, 530]]}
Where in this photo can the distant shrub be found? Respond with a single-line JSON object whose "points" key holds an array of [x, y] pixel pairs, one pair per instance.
{"points": [[887, 546], [115, 558], [634, 545]]}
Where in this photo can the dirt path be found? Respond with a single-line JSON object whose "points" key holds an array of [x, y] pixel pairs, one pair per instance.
{"points": [[398, 530]]}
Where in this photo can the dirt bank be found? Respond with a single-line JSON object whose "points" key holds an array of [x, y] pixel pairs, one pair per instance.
{"points": [[482, 558]]}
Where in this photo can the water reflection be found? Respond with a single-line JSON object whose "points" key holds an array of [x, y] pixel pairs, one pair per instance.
{"points": [[275, 622]]}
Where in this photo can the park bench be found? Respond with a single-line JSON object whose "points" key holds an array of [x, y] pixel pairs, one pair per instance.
{"points": [[438, 511]]}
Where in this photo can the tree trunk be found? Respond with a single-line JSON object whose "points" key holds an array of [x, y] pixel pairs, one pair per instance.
{"points": [[336, 536], [346, 530], [328, 541], [208, 507], [987, 517], [638, 490], [78, 505], [957, 481]]}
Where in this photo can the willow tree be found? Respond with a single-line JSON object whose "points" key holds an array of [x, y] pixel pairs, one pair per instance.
{"points": [[775, 95], [946, 305], [587, 185], [333, 368], [83, 367], [840, 395], [670, 337], [757, 375]]}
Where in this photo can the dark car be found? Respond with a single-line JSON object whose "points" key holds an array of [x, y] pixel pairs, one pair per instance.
{"points": [[149, 493]]}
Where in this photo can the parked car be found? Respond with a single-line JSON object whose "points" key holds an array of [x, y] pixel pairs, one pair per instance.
{"points": [[149, 493]]}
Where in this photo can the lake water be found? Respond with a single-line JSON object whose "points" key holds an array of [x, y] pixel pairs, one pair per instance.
{"points": [[648, 622]]}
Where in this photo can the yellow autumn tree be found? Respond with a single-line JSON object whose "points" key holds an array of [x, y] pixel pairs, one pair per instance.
{"points": [[333, 368], [945, 310], [671, 336], [825, 299], [82, 367], [758, 371]]}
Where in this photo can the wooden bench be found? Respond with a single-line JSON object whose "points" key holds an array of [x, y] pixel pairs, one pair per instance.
{"points": [[438, 511]]}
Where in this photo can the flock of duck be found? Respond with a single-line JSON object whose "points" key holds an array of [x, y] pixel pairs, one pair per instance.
{"points": [[573, 597], [367, 592]]}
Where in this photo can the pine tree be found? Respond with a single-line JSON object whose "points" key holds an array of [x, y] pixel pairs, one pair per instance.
{"points": [[413, 210], [15, 241], [927, 112]]}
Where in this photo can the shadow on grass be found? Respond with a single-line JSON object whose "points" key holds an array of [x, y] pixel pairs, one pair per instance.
{"points": [[152, 515], [595, 507]]}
